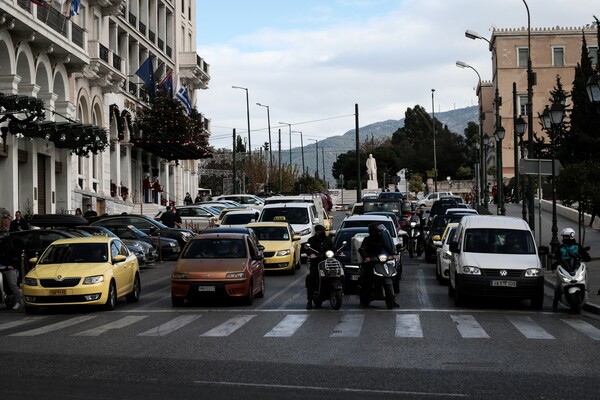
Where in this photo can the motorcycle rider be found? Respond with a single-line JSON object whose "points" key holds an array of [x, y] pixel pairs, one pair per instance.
{"points": [[371, 247], [420, 220], [320, 243], [566, 250]]}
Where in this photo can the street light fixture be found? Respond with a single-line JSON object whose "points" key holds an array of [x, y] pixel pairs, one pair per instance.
{"points": [[461, 64], [485, 142], [248, 119], [521, 127], [290, 130], [301, 147], [317, 151], [593, 88], [270, 143], [551, 119], [499, 135]]}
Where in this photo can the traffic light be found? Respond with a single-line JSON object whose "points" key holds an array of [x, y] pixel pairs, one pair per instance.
{"points": [[266, 146], [407, 174]]}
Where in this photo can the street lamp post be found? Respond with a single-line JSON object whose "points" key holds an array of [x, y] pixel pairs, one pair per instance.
{"points": [[248, 119], [499, 135], [434, 152], [270, 143], [530, 83], [290, 131], [551, 119], [485, 142], [461, 64], [520, 127], [302, 148]]}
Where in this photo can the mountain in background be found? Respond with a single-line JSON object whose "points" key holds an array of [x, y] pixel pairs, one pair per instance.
{"points": [[456, 120]]}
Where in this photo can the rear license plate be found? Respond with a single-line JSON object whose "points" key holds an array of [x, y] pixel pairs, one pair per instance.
{"points": [[58, 292], [353, 277], [206, 288], [504, 283]]}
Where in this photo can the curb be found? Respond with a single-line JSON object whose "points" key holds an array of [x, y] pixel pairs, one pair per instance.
{"points": [[590, 307]]}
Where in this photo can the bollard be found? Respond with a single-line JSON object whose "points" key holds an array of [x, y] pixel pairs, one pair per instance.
{"points": [[160, 260]]}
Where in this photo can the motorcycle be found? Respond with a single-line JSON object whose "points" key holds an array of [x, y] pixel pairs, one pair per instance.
{"points": [[571, 285], [6, 296], [330, 282], [381, 286], [415, 240]]}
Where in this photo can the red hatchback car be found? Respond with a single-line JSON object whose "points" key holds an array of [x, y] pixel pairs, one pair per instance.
{"points": [[216, 265]]}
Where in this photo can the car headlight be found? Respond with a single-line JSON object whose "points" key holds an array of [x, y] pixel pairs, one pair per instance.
{"points": [[283, 252], [413, 224], [533, 272], [92, 280], [172, 244], [30, 281], [471, 270], [180, 275], [383, 258], [236, 275], [304, 232], [187, 235]]}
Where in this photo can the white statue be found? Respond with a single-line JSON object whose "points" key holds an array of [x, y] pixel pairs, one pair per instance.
{"points": [[372, 168]]}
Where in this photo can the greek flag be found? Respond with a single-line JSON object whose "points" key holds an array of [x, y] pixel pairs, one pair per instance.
{"points": [[184, 97]]}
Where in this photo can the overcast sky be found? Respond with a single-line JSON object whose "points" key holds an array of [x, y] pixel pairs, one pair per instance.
{"points": [[312, 60]]}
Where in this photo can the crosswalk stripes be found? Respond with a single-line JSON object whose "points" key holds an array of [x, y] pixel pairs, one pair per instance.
{"points": [[290, 324], [349, 325], [468, 327], [528, 328], [229, 326], [170, 326], [118, 324]]}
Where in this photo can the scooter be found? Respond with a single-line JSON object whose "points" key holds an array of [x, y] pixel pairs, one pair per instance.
{"points": [[415, 240], [6, 296], [571, 285], [381, 286], [330, 283]]}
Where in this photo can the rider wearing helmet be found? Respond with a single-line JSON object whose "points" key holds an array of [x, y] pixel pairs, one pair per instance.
{"points": [[320, 243], [569, 248]]}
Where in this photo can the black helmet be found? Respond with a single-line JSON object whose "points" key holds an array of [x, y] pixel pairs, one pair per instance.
{"points": [[376, 229], [319, 228]]}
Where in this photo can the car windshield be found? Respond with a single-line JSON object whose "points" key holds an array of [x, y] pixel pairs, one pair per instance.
{"points": [[272, 233], [75, 253], [389, 224], [238, 219], [291, 215], [215, 249], [499, 241], [392, 206], [138, 232]]}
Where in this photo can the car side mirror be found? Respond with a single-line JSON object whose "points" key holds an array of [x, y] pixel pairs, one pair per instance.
{"points": [[454, 247], [119, 258], [295, 238]]}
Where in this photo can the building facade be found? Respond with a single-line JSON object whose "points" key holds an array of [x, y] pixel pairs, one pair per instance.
{"points": [[82, 66]]}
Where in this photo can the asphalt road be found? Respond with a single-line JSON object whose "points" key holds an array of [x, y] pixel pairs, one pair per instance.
{"points": [[274, 349]]}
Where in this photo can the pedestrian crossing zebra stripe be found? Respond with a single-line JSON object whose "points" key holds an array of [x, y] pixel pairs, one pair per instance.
{"points": [[54, 327], [468, 327], [229, 326], [289, 326], [350, 325], [583, 327], [408, 325], [529, 328], [170, 326], [14, 324], [118, 324]]}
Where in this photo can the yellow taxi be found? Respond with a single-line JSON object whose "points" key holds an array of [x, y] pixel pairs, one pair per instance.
{"points": [[94, 270], [281, 245]]}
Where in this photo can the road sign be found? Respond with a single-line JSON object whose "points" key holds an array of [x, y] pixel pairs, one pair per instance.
{"points": [[535, 166]]}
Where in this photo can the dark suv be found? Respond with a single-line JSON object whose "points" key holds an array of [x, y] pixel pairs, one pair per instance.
{"points": [[145, 224]]}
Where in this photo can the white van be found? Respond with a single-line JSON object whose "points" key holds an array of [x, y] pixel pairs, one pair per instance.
{"points": [[495, 256], [326, 219], [301, 216]]}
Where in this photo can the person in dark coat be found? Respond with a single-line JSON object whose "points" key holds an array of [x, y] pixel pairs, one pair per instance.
{"points": [[168, 218], [18, 224]]}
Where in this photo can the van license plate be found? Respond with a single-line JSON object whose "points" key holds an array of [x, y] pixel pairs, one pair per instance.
{"points": [[206, 288], [504, 283]]}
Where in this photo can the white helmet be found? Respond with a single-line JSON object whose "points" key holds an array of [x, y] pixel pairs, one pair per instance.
{"points": [[568, 232]]}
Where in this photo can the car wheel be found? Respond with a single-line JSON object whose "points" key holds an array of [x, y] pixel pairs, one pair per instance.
{"points": [[250, 295], [134, 296], [111, 301], [261, 294], [459, 298], [451, 291], [177, 301]]}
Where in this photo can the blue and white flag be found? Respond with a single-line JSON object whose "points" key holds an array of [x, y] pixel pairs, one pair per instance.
{"points": [[184, 97], [146, 74], [75, 7]]}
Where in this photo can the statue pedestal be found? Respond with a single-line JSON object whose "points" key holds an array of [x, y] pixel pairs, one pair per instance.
{"points": [[372, 185]]}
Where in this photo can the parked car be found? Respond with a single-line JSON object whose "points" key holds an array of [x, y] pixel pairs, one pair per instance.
{"points": [[248, 200], [145, 224], [428, 200], [461, 210], [167, 248], [95, 270], [240, 217], [195, 217], [444, 255], [218, 265], [281, 245], [317, 200]]}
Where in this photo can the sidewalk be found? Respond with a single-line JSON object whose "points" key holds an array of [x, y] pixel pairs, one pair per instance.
{"points": [[592, 239]]}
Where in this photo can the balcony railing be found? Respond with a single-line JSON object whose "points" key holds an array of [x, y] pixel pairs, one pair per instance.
{"points": [[142, 28], [132, 19], [133, 89], [161, 44], [77, 35], [169, 51], [116, 61], [152, 36], [53, 18], [103, 53], [25, 4]]}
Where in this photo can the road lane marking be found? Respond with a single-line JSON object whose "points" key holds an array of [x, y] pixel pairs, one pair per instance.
{"points": [[468, 327], [282, 291], [229, 326], [170, 326], [350, 325], [422, 294], [528, 328], [55, 327], [288, 326], [408, 326], [118, 324], [13, 324], [583, 327]]}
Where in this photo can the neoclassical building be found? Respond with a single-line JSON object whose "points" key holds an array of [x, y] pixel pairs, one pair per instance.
{"points": [[81, 69]]}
